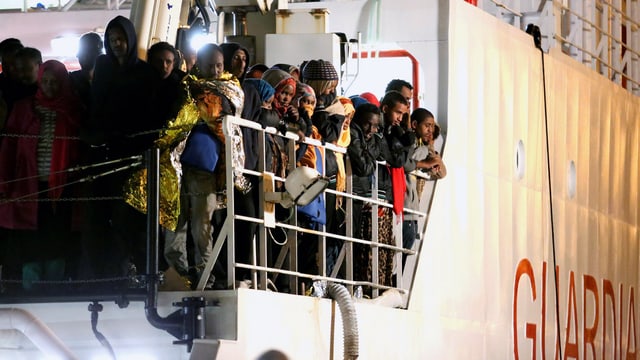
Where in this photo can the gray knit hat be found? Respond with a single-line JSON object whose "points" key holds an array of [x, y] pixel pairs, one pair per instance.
{"points": [[319, 70]]}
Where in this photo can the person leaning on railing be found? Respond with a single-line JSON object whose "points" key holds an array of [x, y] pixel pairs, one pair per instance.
{"points": [[366, 148], [425, 160]]}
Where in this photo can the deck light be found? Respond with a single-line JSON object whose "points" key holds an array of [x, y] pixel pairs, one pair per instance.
{"points": [[302, 185]]}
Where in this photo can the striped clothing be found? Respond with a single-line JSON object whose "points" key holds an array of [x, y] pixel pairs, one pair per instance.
{"points": [[45, 141]]}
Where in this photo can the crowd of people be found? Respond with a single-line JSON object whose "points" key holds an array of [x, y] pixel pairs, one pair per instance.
{"points": [[57, 130]]}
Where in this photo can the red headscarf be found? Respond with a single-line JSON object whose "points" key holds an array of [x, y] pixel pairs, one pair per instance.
{"points": [[280, 108], [66, 100], [66, 106]]}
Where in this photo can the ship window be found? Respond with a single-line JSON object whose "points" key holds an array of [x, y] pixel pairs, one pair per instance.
{"points": [[520, 160], [571, 179]]}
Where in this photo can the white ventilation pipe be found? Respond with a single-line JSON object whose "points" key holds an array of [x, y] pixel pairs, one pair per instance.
{"points": [[349, 320], [36, 331]]}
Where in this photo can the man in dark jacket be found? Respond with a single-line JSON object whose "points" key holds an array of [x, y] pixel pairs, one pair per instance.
{"points": [[90, 47], [367, 146], [121, 124], [123, 94]]}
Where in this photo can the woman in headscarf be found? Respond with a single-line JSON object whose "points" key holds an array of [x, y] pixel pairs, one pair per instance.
{"points": [[285, 91], [305, 100], [33, 168], [263, 88], [236, 59], [291, 69], [274, 76]]}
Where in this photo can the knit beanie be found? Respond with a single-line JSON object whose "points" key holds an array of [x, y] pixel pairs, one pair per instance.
{"points": [[370, 98], [319, 70], [357, 100]]}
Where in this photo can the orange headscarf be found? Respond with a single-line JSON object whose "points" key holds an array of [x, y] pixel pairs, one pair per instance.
{"points": [[281, 108]]}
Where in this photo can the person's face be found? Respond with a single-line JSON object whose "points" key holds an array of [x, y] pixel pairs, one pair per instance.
{"points": [[118, 43], [407, 94], [267, 103], [347, 120], [285, 96], [330, 89], [87, 59], [9, 66], [27, 71], [424, 130], [212, 66], [87, 54], [395, 114], [238, 63], [49, 85], [308, 101], [190, 58], [163, 61], [370, 125]]}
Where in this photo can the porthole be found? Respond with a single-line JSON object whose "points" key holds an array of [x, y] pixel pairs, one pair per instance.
{"points": [[571, 179], [520, 160]]}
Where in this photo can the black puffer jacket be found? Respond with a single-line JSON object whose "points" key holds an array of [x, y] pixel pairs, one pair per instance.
{"points": [[400, 142], [363, 155]]}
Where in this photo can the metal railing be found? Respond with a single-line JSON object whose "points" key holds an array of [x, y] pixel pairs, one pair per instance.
{"points": [[602, 34], [265, 270]]}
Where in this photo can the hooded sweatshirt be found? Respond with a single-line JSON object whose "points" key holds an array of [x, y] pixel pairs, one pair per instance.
{"points": [[122, 98]]}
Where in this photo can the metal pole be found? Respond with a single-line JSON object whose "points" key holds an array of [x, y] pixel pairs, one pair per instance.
{"points": [[172, 323]]}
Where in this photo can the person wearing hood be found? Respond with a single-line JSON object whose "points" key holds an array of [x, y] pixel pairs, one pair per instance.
{"points": [[122, 97], [292, 70], [236, 59], [122, 123], [40, 228]]}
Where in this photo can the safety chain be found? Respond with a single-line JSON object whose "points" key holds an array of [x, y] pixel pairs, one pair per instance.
{"points": [[69, 282], [147, 132], [96, 198], [29, 136], [103, 198]]}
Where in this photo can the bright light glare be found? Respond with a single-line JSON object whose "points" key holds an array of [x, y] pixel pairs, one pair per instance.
{"points": [[65, 46], [199, 40]]}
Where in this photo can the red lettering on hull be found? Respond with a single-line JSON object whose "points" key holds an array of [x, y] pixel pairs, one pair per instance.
{"points": [[602, 318]]}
